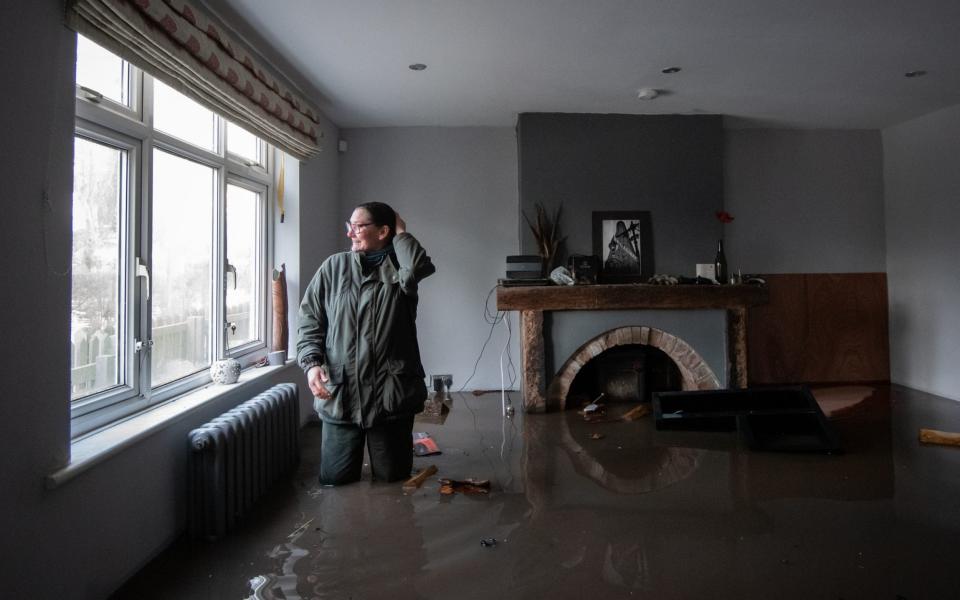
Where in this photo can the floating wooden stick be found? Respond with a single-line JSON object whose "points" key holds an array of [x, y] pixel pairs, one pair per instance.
{"points": [[943, 438], [636, 413], [418, 479]]}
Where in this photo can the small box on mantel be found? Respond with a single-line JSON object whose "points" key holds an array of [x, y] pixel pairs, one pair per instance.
{"points": [[524, 266]]}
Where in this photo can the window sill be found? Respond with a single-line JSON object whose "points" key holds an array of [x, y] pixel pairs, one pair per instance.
{"points": [[90, 450]]}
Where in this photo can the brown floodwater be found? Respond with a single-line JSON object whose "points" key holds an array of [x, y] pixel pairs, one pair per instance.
{"points": [[608, 510]]}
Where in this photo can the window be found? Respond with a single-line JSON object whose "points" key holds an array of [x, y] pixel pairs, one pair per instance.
{"points": [[170, 230], [245, 146], [101, 75], [183, 118], [183, 199], [244, 263], [100, 193]]}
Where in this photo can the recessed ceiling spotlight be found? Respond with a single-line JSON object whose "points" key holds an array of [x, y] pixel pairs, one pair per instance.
{"points": [[417, 67], [914, 73], [670, 70]]}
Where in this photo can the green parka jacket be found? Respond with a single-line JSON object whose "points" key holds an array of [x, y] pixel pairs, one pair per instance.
{"points": [[363, 328]]}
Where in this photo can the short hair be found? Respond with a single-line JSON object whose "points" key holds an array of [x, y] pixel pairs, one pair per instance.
{"points": [[382, 214]]}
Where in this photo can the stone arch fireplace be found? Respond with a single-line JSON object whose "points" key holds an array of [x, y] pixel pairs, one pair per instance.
{"points": [[695, 373]]}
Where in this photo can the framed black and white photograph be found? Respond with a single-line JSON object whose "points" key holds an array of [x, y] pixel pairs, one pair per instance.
{"points": [[624, 242]]}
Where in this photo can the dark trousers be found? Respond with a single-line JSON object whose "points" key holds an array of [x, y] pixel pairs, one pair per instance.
{"points": [[390, 446]]}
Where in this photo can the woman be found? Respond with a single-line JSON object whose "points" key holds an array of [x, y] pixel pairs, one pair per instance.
{"points": [[358, 347]]}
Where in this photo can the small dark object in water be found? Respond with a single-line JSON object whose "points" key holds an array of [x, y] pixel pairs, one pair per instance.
{"points": [[488, 542], [466, 486]]}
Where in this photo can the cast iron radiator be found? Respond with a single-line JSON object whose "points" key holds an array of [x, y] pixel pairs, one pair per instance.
{"points": [[237, 456]]}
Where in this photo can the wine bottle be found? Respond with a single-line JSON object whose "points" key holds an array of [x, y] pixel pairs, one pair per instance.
{"points": [[720, 265]]}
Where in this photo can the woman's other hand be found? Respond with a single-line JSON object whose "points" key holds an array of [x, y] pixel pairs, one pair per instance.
{"points": [[316, 378]]}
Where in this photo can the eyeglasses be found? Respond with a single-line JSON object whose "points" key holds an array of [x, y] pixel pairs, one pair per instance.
{"points": [[355, 227]]}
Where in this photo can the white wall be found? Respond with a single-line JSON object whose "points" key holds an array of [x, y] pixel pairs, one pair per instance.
{"points": [[457, 190], [922, 179], [804, 201], [84, 538]]}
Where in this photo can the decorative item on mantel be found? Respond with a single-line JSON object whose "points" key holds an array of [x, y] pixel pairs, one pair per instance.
{"points": [[720, 261], [663, 279], [624, 242], [720, 264], [524, 270], [546, 232], [584, 268], [561, 276]]}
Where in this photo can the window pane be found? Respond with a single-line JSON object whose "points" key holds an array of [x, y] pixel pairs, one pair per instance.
{"points": [[243, 225], [181, 117], [183, 196], [99, 175], [243, 143], [103, 71]]}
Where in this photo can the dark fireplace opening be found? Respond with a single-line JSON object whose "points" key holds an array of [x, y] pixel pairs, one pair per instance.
{"points": [[629, 373]]}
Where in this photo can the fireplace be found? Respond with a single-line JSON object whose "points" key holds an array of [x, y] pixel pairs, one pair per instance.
{"points": [[621, 316], [628, 373], [685, 368]]}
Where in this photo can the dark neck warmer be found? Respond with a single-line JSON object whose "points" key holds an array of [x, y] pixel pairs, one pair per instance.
{"points": [[375, 258]]}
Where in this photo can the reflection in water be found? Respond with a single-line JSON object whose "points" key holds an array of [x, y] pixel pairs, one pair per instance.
{"points": [[270, 587], [624, 460], [639, 512], [626, 566], [846, 400], [365, 543]]}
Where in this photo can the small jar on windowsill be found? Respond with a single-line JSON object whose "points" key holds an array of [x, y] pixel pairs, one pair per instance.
{"points": [[225, 371]]}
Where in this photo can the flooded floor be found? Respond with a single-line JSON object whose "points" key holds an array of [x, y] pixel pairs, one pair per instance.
{"points": [[608, 510]]}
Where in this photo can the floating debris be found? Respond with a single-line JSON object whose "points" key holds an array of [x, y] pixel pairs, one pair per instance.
{"points": [[637, 412], [465, 486], [423, 444], [942, 438], [417, 480]]}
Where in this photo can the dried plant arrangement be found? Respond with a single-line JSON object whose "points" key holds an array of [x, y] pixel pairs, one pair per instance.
{"points": [[546, 231]]}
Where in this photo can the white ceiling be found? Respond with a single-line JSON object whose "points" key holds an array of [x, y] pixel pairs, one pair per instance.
{"points": [[772, 63]]}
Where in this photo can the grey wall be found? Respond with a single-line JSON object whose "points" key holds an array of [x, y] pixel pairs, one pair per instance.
{"points": [[84, 538], [669, 165], [922, 180], [804, 201], [36, 112], [321, 221], [457, 190]]}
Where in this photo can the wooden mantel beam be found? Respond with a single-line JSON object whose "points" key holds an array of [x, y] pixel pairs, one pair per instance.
{"points": [[630, 296]]}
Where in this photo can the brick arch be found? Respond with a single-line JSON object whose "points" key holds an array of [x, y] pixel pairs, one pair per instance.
{"points": [[694, 371]]}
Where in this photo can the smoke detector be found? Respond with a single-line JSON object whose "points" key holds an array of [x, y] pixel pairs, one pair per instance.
{"points": [[647, 93]]}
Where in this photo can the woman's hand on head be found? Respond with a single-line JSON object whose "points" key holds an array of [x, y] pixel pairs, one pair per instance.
{"points": [[401, 225]]}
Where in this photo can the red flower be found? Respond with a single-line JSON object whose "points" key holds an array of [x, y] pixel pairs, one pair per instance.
{"points": [[723, 216]]}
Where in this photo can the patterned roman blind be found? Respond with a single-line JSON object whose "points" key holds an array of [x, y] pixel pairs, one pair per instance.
{"points": [[180, 44]]}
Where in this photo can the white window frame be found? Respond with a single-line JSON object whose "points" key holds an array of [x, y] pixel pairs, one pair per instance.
{"points": [[129, 309], [264, 311], [131, 129]]}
